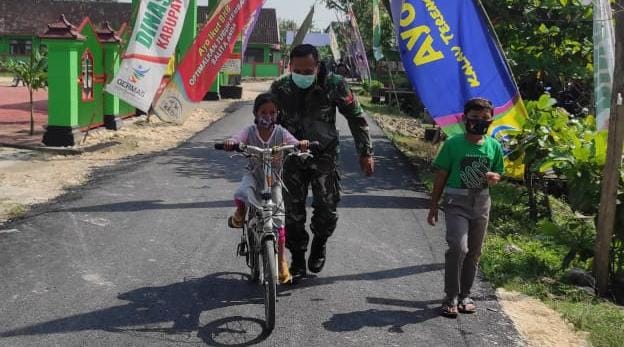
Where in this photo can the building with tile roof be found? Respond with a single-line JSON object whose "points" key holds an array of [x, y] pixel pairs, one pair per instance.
{"points": [[262, 56]]}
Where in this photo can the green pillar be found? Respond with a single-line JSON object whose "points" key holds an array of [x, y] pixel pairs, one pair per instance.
{"points": [[64, 46], [62, 82], [111, 102]]}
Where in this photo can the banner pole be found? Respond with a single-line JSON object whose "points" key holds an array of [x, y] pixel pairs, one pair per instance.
{"points": [[497, 42]]}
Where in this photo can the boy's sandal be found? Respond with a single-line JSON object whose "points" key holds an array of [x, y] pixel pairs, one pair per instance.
{"points": [[233, 223], [467, 306], [449, 310]]}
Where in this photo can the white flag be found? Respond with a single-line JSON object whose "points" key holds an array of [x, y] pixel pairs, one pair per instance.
{"points": [[604, 61], [333, 43], [154, 38]]}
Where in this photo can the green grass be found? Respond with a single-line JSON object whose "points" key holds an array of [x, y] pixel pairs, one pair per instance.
{"points": [[535, 269], [12, 210]]}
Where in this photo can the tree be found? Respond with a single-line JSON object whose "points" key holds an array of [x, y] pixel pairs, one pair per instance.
{"points": [[548, 44], [34, 74]]}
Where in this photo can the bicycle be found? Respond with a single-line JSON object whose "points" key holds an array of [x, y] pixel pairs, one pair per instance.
{"points": [[258, 240]]}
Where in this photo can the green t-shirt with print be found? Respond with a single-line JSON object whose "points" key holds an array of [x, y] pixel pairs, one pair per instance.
{"points": [[467, 162]]}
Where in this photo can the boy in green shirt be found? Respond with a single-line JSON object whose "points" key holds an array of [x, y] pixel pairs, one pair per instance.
{"points": [[467, 165]]}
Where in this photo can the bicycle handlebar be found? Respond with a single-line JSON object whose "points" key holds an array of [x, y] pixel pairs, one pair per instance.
{"points": [[240, 147]]}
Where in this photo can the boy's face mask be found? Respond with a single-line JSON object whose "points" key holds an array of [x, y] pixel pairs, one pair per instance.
{"points": [[477, 126]]}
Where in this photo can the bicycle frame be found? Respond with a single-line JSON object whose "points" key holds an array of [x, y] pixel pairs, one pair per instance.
{"points": [[259, 239], [260, 224]]}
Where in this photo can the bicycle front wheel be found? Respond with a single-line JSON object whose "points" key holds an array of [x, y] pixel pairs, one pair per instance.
{"points": [[269, 282]]}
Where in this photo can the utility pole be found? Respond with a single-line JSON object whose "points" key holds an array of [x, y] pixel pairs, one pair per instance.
{"points": [[615, 141]]}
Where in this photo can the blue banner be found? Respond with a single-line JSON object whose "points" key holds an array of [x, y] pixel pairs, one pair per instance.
{"points": [[450, 56]]}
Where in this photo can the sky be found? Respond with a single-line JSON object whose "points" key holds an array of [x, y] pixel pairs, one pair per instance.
{"points": [[295, 10]]}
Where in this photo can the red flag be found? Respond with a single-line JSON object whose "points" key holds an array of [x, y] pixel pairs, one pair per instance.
{"points": [[212, 47]]}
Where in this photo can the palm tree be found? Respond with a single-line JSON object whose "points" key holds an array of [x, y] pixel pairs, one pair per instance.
{"points": [[33, 73]]}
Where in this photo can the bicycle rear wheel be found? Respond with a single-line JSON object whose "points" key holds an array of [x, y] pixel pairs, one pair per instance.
{"points": [[269, 282]]}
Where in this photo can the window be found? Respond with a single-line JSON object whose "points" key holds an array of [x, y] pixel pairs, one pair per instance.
{"points": [[254, 55], [86, 77], [20, 47]]}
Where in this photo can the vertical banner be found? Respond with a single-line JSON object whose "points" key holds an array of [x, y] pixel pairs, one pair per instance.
{"points": [[604, 61], [359, 52], [203, 60], [450, 56], [249, 28], [333, 43], [154, 37], [377, 52]]}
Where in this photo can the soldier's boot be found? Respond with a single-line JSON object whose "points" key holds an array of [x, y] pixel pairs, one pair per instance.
{"points": [[298, 265], [316, 261], [284, 275]]}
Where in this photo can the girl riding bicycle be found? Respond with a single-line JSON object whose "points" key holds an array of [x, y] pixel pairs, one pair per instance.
{"points": [[266, 133]]}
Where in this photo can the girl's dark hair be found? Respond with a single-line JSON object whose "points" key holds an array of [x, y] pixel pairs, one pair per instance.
{"points": [[304, 50], [263, 99]]}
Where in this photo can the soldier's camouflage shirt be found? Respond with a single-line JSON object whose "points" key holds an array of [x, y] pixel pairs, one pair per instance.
{"points": [[311, 114]]}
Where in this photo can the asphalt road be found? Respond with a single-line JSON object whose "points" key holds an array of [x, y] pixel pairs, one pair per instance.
{"points": [[142, 256]]}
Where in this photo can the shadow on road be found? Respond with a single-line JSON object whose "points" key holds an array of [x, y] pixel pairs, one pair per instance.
{"points": [[149, 309], [367, 276], [347, 201], [394, 319], [393, 171]]}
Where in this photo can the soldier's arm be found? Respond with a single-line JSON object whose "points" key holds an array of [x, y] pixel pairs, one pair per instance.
{"points": [[352, 110]]}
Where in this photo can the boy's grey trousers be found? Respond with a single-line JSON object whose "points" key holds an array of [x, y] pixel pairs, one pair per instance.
{"points": [[467, 214]]}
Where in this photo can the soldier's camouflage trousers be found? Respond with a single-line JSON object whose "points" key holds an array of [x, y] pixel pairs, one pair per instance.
{"points": [[319, 172]]}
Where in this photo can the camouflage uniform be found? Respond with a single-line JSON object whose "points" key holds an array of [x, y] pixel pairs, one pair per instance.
{"points": [[311, 114]]}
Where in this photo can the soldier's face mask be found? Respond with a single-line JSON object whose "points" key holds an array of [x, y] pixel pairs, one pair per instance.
{"points": [[303, 81], [303, 71]]}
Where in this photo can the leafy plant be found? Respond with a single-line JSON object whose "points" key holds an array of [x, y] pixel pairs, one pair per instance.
{"points": [[34, 74]]}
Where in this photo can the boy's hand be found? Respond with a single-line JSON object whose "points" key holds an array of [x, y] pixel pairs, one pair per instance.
{"points": [[229, 144], [304, 145], [432, 218], [367, 163], [492, 178]]}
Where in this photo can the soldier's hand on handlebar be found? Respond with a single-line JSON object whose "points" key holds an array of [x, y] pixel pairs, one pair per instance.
{"points": [[304, 145]]}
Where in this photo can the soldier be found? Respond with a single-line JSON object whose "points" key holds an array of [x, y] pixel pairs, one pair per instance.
{"points": [[307, 99]]}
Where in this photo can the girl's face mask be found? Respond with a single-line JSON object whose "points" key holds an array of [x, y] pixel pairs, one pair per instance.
{"points": [[266, 116]]}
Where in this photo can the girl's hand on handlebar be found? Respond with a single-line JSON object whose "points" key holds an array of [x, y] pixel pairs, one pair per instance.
{"points": [[229, 144]]}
